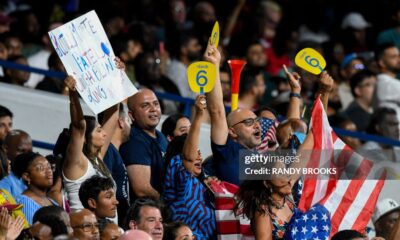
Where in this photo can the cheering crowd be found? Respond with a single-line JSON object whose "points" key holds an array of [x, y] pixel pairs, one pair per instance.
{"points": [[115, 176]]}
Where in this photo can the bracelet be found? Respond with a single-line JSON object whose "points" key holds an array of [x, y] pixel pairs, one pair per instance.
{"points": [[295, 95]]}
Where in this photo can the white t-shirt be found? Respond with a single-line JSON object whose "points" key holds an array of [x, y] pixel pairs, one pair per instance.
{"points": [[387, 93]]}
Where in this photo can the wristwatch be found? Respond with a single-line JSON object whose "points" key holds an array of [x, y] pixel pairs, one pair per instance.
{"points": [[295, 95]]}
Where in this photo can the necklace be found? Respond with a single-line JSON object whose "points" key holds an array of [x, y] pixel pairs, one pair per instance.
{"points": [[277, 205], [42, 200]]}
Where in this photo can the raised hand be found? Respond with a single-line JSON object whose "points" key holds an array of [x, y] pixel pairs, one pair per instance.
{"points": [[294, 80], [200, 104], [70, 83], [119, 63], [212, 54], [15, 228], [325, 82]]}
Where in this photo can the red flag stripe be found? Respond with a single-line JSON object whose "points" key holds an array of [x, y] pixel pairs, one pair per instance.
{"points": [[225, 203], [369, 208], [228, 227], [344, 206]]}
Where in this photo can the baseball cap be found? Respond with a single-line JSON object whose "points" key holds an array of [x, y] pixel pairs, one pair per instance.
{"points": [[350, 57], [385, 207], [355, 20]]}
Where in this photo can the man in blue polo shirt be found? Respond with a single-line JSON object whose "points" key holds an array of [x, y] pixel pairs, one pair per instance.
{"points": [[240, 130], [143, 153]]}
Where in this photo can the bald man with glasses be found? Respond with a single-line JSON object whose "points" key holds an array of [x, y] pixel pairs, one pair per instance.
{"points": [[239, 131], [85, 225]]}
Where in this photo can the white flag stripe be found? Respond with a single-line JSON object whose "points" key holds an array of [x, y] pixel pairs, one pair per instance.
{"points": [[358, 204], [229, 237], [320, 191], [338, 145], [335, 198], [353, 163], [225, 215]]}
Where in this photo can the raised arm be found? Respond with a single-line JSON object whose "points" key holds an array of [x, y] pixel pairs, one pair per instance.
{"points": [[74, 157], [295, 98], [192, 142], [215, 103], [325, 87], [110, 120], [304, 155]]}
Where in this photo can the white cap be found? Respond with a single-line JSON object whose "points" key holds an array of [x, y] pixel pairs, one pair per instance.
{"points": [[384, 207], [355, 20]]}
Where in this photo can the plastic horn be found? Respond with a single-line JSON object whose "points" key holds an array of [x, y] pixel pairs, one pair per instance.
{"points": [[236, 67]]}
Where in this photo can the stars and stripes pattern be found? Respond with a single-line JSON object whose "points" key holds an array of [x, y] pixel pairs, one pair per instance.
{"points": [[268, 134], [349, 202], [314, 224], [229, 226]]}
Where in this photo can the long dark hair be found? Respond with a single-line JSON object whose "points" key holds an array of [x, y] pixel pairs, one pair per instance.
{"points": [[175, 147], [253, 196], [99, 165]]}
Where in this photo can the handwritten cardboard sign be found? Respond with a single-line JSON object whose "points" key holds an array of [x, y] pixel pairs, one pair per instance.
{"points": [[86, 53]]}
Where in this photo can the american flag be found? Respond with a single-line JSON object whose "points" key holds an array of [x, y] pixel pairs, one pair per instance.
{"points": [[229, 226], [349, 202], [268, 134], [314, 224]]}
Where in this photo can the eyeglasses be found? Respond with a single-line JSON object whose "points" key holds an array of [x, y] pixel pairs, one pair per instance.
{"points": [[43, 168], [248, 122], [87, 227]]}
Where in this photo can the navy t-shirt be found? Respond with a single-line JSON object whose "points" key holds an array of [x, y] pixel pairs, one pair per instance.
{"points": [[142, 149], [115, 164], [226, 160]]}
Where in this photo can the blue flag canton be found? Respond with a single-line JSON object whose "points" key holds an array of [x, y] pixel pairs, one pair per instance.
{"points": [[266, 124], [314, 224]]}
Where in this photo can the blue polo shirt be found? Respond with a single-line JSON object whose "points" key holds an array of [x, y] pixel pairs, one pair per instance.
{"points": [[142, 149], [115, 164], [226, 160]]}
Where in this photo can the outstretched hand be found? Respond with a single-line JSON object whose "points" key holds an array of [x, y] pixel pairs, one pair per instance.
{"points": [[212, 54], [294, 80]]}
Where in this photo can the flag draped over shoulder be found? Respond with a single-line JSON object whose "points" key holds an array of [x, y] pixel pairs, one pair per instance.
{"points": [[350, 203], [229, 226]]}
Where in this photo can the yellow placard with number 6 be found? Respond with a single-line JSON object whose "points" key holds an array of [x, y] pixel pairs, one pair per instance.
{"points": [[201, 76], [310, 60]]}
